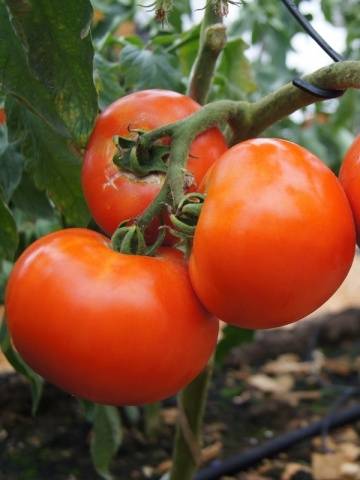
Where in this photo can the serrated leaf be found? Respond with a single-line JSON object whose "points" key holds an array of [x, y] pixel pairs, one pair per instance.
{"points": [[8, 233], [143, 68], [52, 162], [17, 80], [20, 366], [106, 439], [232, 337], [57, 42]]}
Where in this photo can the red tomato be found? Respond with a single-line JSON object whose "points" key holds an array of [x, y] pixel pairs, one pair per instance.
{"points": [[275, 238], [2, 116], [114, 195], [112, 328], [350, 179]]}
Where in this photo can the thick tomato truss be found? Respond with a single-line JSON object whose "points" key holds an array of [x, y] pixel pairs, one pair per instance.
{"points": [[350, 180], [275, 237], [114, 195], [108, 327]]}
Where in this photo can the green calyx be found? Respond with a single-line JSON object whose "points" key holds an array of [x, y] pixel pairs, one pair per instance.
{"points": [[131, 158], [130, 240], [185, 219]]}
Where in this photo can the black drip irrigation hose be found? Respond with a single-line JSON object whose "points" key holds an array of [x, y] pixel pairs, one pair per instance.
{"points": [[309, 29], [249, 458]]}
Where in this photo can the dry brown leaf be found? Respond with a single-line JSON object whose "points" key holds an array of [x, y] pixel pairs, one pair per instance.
{"points": [[292, 469], [169, 415], [242, 399], [294, 398], [350, 471], [147, 471], [211, 452], [287, 363], [249, 476], [5, 366], [280, 384], [339, 366], [327, 466], [330, 443], [207, 454], [350, 451], [163, 467], [2, 309], [347, 434]]}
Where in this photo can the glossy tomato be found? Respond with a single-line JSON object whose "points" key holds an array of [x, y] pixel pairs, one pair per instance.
{"points": [[112, 328], [350, 179], [275, 237], [114, 195]]}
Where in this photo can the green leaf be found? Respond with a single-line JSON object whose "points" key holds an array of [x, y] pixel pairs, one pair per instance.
{"points": [[20, 366], [143, 68], [5, 269], [33, 202], [235, 75], [17, 80], [88, 408], [232, 337], [52, 162], [132, 414], [11, 166], [8, 234], [57, 42], [106, 439], [107, 79]]}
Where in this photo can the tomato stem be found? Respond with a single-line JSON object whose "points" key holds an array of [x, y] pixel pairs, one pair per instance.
{"points": [[212, 41], [192, 402], [246, 120]]}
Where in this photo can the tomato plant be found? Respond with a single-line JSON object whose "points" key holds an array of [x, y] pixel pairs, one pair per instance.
{"points": [[273, 242], [111, 328], [275, 238], [350, 178], [115, 195]]}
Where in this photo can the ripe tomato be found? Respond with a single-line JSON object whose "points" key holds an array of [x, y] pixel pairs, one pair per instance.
{"points": [[112, 328], [350, 179], [2, 116], [114, 195], [275, 238]]}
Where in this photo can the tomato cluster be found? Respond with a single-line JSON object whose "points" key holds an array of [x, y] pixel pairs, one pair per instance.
{"points": [[274, 240]]}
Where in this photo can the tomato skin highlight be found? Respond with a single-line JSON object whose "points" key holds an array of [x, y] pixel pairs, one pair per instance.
{"points": [[114, 195], [350, 179], [275, 238], [112, 328]]}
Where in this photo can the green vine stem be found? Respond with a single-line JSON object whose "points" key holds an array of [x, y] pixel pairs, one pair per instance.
{"points": [[247, 120], [212, 41], [192, 402]]}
